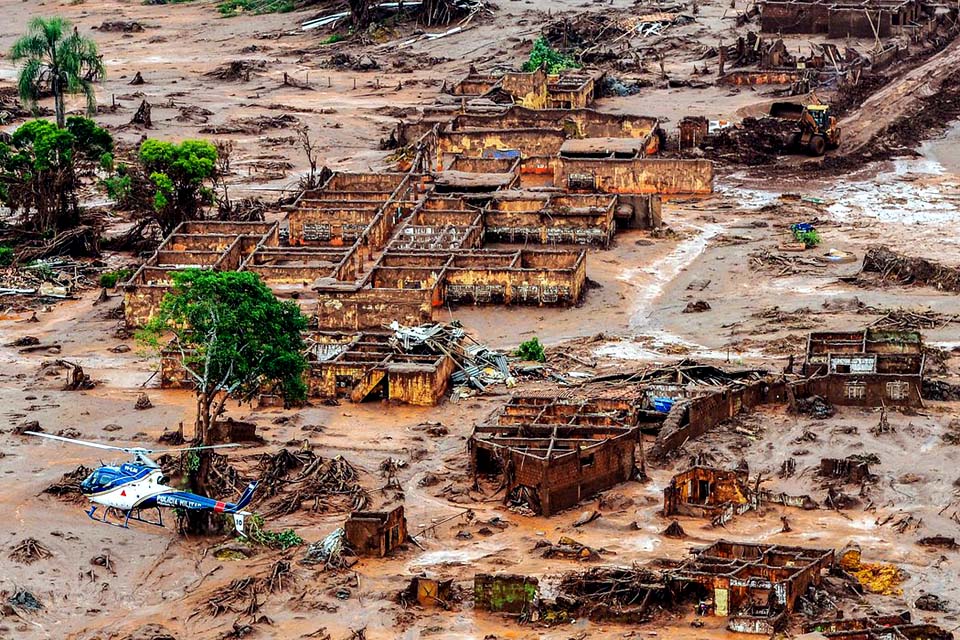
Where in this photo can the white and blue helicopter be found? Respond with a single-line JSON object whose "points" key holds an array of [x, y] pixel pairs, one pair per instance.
{"points": [[131, 487]]}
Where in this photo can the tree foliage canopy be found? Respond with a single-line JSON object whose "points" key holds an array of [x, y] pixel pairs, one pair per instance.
{"points": [[235, 337], [42, 167], [57, 59], [178, 173], [543, 55]]}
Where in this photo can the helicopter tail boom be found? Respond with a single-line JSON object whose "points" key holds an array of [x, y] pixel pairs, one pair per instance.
{"points": [[246, 496]]}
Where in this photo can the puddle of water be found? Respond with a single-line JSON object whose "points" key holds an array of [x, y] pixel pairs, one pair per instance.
{"points": [[944, 151], [639, 542], [446, 556], [924, 190], [748, 198], [658, 349]]}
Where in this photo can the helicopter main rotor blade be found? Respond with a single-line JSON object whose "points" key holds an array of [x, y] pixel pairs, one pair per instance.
{"points": [[85, 443], [206, 446], [134, 450]]}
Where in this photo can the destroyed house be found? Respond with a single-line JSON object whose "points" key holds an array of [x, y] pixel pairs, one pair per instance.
{"points": [[705, 492], [864, 19], [199, 244], [368, 365], [720, 495], [878, 627], [695, 398], [872, 367], [376, 533], [368, 248], [422, 250], [534, 89], [756, 585], [578, 150], [413, 365], [553, 453], [505, 593], [538, 218], [428, 591]]}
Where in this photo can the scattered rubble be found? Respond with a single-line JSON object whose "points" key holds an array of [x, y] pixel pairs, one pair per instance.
{"points": [[238, 70]]}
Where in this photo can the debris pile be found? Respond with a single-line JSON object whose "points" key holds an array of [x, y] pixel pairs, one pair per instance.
{"points": [[241, 596], [303, 480], [124, 26], [902, 319], [569, 549], [332, 552], [591, 35], [815, 407], [22, 600], [51, 278], [931, 602], [784, 265], [477, 366], [238, 70], [755, 141], [252, 125], [910, 270], [628, 593]]}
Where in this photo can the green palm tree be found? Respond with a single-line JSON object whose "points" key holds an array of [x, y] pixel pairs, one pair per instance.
{"points": [[57, 58]]}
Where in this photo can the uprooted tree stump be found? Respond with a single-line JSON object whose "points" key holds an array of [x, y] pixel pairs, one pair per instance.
{"points": [[28, 551], [143, 402], [68, 486], [674, 531], [174, 438], [142, 116], [76, 378]]}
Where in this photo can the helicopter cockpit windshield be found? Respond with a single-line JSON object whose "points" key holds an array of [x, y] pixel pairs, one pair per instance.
{"points": [[102, 478]]}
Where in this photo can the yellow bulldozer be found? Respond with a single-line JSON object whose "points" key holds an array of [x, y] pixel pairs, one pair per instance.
{"points": [[816, 130]]}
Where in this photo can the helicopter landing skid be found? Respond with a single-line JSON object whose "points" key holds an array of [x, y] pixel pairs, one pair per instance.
{"points": [[135, 515]]}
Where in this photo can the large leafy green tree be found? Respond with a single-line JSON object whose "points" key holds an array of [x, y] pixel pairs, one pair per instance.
{"points": [[43, 166], [180, 176], [234, 338], [58, 59]]}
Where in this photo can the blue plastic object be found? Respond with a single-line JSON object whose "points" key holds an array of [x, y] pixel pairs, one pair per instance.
{"points": [[663, 405]]}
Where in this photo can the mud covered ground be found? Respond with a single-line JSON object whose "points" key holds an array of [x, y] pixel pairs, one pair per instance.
{"points": [[160, 583]]}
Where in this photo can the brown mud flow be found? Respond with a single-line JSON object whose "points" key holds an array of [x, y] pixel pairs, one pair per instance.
{"points": [[731, 425]]}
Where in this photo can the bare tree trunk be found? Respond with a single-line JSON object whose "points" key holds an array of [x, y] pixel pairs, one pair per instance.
{"points": [[58, 100], [360, 13], [200, 522]]}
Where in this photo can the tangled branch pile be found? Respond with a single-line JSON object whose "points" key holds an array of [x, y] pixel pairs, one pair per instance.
{"points": [[782, 264], [910, 320], [300, 478], [241, 596], [631, 591], [909, 270], [238, 70]]}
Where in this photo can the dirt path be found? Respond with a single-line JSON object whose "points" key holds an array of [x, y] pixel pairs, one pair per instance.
{"points": [[900, 98]]}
